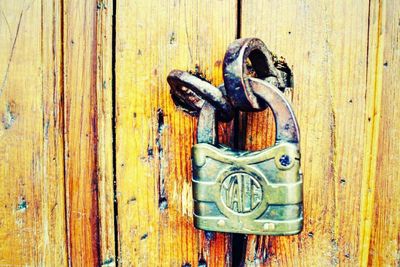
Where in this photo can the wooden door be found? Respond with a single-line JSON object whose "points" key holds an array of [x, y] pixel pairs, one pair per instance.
{"points": [[95, 158]]}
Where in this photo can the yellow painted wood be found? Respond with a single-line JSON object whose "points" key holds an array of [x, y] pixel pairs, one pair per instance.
{"points": [[32, 219], [373, 100], [384, 247], [326, 44], [154, 138], [105, 128]]}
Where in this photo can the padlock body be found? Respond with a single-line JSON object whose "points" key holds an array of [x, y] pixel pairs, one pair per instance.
{"points": [[246, 192]]}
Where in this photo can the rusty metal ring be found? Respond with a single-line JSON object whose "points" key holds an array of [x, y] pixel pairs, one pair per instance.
{"points": [[190, 92], [236, 71]]}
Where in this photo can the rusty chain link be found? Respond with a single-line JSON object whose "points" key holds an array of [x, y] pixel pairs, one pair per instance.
{"points": [[245, 58]]}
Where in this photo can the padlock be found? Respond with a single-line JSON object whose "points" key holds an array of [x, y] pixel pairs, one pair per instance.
{"points": [[249, 192], [234, 191]]}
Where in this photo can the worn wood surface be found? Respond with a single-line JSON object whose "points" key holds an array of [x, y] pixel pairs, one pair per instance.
{"points": [[326, 43], [104, 85], [58, 94], [153, 138], [384, 247], [32, 219], [87, 45], [81, 129]]}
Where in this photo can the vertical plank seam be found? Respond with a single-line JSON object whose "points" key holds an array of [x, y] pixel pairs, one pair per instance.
{"points": [[58, 9], [236, 118], [63, 119], [238, 241], [114, 128], [368, 185], [239, 19]]}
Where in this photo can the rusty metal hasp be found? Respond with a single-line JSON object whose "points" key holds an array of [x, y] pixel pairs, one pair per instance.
{"points": [[250, 192]]}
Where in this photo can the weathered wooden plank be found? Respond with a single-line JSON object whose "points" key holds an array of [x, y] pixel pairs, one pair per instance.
{"points": [[384, 218], [88, 131], [32, 217], [105, 130], [325, 43], [374, 84], [153, 138]]}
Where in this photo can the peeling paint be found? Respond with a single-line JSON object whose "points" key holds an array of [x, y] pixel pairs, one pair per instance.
{"points": [[162, 195], [22, 205], [150, 152], [143, 237], [9, 116], [108, 262], [202, 263], [172, 38], [132, 200], [101, 5], [46, 130]]}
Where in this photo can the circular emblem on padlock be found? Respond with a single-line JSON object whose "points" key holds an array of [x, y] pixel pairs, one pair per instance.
{"points": [[241, 192]]}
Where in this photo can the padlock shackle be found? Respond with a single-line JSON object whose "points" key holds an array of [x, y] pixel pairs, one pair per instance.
{"points": [[207, 125], [287, 129]]}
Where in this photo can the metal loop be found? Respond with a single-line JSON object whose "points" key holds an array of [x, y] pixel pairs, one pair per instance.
{"points": [[236, 69], [287, 129], [190, 93]]}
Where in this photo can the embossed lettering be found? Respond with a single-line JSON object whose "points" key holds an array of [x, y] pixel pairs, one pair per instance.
{"points": [[241, 192]]}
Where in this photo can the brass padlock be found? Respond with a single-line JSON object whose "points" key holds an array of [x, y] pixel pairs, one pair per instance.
{"points": [[247, 192], [234, 191]]}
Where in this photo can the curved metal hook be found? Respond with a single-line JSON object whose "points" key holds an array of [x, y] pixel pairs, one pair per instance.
{"points": [[190, 92], [236, 69], [287, 128]]}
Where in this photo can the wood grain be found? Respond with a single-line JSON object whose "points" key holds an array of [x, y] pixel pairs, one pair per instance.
{"points": [[154, 138], [374, 84], [87, 59], [105, 153], [56, 130], [326, 44], [384, 247], [32, 217]]}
